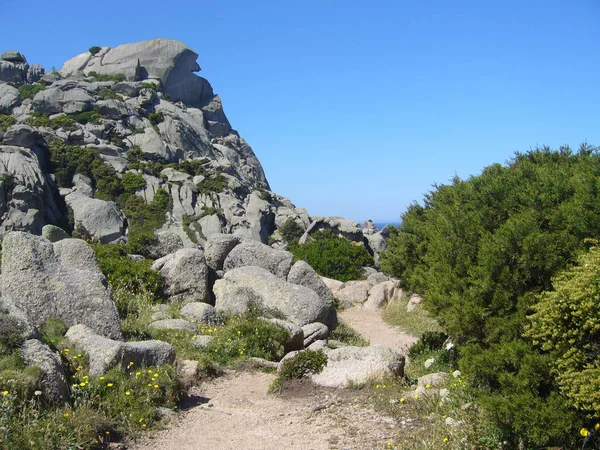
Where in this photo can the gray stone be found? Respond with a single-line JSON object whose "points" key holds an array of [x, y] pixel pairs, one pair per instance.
{"points": [[251, 253], [201, 313], [63, 96], [11, 72], [342, 227], [333, 285], [160, 315], [201, 341], [147, 353], [54, 382], [60, 280], [54, 233], [173, 325], [127, 88], [357, 365], [167, 242], [170, 61], [302, 274], [377, 277], [353, 292], [151, 145], [314, 332], [296, 340], [15, 326], [104, 354], [247, 287], [9, 97], [377, 242], [186, 275], [413, 303], [13, 56], [380, 294], [35, 73], [188, 373], [116, 109], [100, 219], [436, 379]]}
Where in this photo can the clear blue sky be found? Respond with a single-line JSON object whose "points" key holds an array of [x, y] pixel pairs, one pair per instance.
{"points": [[358, 108]]}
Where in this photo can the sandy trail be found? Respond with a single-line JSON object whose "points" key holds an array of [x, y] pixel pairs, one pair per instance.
{"points": [[371, 326], [235, 411]]}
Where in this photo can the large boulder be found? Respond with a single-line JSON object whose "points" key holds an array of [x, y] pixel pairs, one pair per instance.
{"points": [[217, 248], [342, 227], [100, 219], [63, 96], [186, 275], [202, 313], [357, 365], [54, 382], [168, 60], [380, 294], [255, 287], [9, 97], [104, 353], [302, 274], [252, 253], [353, 292], [60, 280]]}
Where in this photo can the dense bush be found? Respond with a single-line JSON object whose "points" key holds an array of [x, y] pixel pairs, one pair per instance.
{"points": [[479, 250], [101, 77], [6, 121], [42, 120], [291, 230], [144, 219], [566, 323], [29, 90], [95, 49], [304, 363], [332, 256], [133, 182], [156, 118]]}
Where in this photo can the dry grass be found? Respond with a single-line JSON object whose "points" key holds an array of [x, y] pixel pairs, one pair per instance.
{"points": [[416, 322]]}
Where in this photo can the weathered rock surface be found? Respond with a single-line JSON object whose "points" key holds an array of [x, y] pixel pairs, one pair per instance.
{"points": [[201, 313], [356, 365], [54, 233], [57, 280], [314, 332], [414, 302], [251, 253], [9, 97], [353, 292], [100, 219], [173, 324], [218, 246], [296, 340], [380, 294], [342, 227], [104, 353], [247, 287], [54, 382], [186, 275]]}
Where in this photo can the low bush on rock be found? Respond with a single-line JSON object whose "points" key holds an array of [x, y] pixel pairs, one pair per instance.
{"points": [[332, 256], [29, 90], [117, 77], [304, 363], [95, 49], [291, 230], [6, 121]]}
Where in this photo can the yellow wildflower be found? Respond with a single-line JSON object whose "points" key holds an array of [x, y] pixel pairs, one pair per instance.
{"points": [[127, 393], [427, 386], [597, 427], [402, 400], [416, 395], [101, 378], [156, 386], [82, 384], [66, 415], [110, 385], [5, 393], [584, 432]]}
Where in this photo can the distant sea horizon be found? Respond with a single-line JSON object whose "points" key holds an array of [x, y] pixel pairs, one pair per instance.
{"points": [[381, 225]]}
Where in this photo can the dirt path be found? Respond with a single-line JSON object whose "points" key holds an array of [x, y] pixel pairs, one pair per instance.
{"points": [[235, 411], [371, 326]]}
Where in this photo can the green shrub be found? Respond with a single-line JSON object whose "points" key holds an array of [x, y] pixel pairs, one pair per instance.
{"points": [[348, 335], [107, 94], [93, 117], [479, 251], [100, 77], [29, 90], [95, 49], [122, 272], [154, 86], [213, 184], [304, 363], [248, 336], [429, 341], [132, 182], [566, 324], [332, 256], [291, 230], [156, 118], [6, 121], [41, 120]]}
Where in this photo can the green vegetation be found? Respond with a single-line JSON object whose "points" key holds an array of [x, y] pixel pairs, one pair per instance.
{"points": [[107, 94], [480, 251], [93, 116], [29, 90], [332, 256], [566, 324], [42, 120], [156, 118], [213, 183], [132, 182], [100, 77], [6, 121], [304, 363], [154, 86], [416, 322], [95, 49], [291, 230]]}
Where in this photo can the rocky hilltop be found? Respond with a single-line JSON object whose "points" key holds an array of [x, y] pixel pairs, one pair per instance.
{"points": [[141, 110]]}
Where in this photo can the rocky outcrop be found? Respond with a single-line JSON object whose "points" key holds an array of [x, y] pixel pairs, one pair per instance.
{"points": [[186, 275], [255, 287], [62, 279], [217, 248], [357, 365], [54, 382], [202, 313], [251, 253], [96, 218], [342, 227]]}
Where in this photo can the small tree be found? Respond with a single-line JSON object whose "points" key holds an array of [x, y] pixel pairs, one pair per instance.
{"points": [[95, 49]]}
